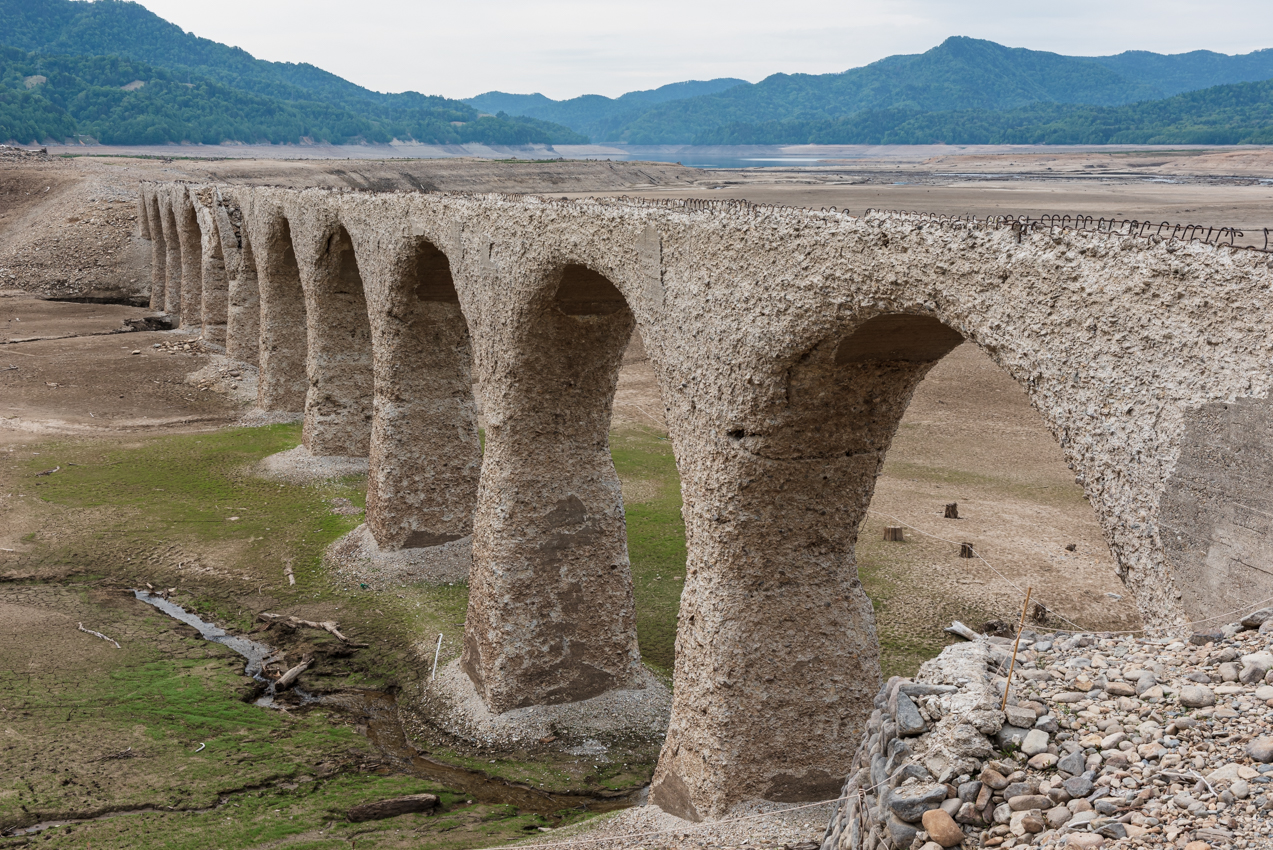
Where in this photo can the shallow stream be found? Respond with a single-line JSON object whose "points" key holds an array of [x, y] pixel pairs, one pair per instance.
{"points": [[377, 715]]}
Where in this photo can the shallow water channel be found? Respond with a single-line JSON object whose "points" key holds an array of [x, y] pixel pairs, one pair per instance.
{"points": [[377, 715]]}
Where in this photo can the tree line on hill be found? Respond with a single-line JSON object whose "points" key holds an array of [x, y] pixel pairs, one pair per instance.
{"points": [[116, 72]]}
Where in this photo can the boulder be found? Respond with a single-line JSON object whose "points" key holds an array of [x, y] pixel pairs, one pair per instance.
{"points": [[942, 828], [1197, 696], [909, 802], [1261, 749], [1036, 741]]}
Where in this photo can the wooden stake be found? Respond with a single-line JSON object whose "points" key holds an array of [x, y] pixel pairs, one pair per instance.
{"points": [[894, 533], [952, 510], [1013, 663], [965, 551], [436, 652]]}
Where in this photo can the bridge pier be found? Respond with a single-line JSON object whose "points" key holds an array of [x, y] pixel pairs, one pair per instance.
{"points": [[191, 241], [426, 454], [213, 273], [158, 249], [283, 327], [171, 244], [243, 310], [338, 406], [551, 614], [777, 653]]}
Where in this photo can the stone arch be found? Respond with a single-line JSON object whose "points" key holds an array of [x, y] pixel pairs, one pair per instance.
{"points": [[425, 454], [190, 237], [781, 605], [551, 615], [338, 405], [283, 322], [243, 311]]}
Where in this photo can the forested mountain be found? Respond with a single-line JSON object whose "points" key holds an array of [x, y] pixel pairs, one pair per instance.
{"points": [[114, 71], [593, 114], [1240, 113], [961, 74], [197, 90]]}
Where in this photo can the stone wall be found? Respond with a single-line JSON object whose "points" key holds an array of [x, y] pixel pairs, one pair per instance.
{"points": [[1102, 737]]}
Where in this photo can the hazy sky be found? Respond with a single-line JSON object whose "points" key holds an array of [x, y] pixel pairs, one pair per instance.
{"points": [[564, 48]]}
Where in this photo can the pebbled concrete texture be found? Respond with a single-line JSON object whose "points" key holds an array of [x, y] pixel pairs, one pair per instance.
{"points": [[787, 344]]}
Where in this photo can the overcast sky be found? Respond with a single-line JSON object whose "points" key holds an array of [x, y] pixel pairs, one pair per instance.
{"points": [[565, 48]]}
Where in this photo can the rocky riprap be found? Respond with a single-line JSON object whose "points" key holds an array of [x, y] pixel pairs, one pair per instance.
{"points": [[1106, 741]]}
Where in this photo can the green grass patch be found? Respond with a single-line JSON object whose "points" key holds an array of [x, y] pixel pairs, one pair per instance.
{"points": [[656, 540]]}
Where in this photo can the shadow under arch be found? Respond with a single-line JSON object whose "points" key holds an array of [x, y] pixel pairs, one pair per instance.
{"points": [[426, 454], [551, 616], [338, 404], [283, 320]]}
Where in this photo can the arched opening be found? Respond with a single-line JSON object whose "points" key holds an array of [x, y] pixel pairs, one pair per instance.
{"points": [[158, 252], [970, 439], [191, 239], [425, 451], [243, 312], [283, 321], [172, 260], [783, 659], [551, 615], [338, 406], [216, 286]]}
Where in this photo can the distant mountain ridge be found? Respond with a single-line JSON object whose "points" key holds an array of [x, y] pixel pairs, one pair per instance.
{"points": [[594, 114], [959, 74], [62, 63], [204, 91]]}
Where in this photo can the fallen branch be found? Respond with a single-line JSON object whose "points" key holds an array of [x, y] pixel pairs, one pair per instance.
{"points": [[292, 675], [48, 471], [958, 628], [100, 635], [296, 623]]}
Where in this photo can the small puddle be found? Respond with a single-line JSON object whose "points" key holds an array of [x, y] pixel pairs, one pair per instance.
{"points": [[378, 713]]}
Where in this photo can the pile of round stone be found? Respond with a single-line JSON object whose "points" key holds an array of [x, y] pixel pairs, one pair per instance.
{"points": [[1133, 742]]}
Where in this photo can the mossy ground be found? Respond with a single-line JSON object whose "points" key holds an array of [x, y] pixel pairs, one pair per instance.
{"points": [[185, 512]]}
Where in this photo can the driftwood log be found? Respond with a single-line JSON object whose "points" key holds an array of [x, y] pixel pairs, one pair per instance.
{"points": [[392, 808], [292, 675], [298, 623], [894, 533]]}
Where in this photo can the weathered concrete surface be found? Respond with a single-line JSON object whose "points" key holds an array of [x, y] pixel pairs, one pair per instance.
{"points": [[787, 344], [1217, 512], [191, 243], [172, 256], [214, 273], [425, 451], [283, 322]]}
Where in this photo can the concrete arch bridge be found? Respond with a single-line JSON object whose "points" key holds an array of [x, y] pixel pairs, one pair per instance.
{"points": [[787, 343]]}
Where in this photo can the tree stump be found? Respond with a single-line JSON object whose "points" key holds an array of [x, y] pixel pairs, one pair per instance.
{"points": [[894, 534], [381, 809], [965, 551], [952, 510]]}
